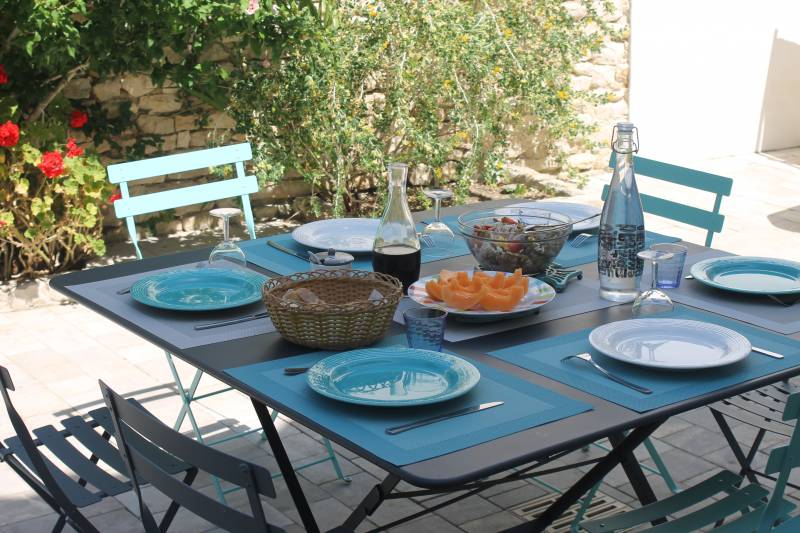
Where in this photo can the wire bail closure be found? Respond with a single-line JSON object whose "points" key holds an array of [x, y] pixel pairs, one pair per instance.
{"points": [[615, 137]]}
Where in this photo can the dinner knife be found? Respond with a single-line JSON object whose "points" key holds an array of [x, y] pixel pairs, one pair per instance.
{"points": [[762, 351], [447, 416], [286, 250], [254, 316]]}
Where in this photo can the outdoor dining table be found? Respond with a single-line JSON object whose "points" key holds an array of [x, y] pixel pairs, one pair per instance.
{"points": [[467, 468]]}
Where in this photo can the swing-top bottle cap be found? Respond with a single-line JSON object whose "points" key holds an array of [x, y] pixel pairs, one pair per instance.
{"points": [[625, 127]]}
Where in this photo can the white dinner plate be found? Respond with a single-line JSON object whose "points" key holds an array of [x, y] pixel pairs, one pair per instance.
{"points": [[354, 235], [573, 211], [670, 343]]}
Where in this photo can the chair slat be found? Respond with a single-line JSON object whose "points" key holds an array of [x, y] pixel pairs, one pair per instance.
{"points": [[747, 403], [696, 179], [675, 211], [750, 521], [173, 164], [196, 194], [73, 459], [158, 456], [754, 420], [790, 526], [720, 482], [86, 435], [78, 495], [751, 496], [189, 498]]}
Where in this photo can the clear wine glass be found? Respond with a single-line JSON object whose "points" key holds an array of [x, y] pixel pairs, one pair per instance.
{"points": [[437, 233], [652, 301], [226, 253]]}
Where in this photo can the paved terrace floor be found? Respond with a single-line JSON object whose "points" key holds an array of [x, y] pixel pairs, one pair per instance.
{"points": [[57, 353]]}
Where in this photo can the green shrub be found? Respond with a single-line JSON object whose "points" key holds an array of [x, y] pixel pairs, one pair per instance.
{"points": [[440, 83]]}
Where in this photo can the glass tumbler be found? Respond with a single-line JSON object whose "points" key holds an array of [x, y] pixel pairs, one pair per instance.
{"points": [[670, 270], [425, 328]]}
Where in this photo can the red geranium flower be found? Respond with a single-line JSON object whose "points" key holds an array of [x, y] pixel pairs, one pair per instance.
{"points": [[73, 150], [114, 197], [52, 164], [3, 75], [9, 134], [3, 223], [78, 119]]}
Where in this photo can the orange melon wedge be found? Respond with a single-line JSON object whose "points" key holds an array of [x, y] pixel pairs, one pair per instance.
{"points": [[461, 299], [434, 289]]}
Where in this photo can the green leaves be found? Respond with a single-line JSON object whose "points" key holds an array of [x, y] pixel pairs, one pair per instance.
{"points": [[437, 83]]}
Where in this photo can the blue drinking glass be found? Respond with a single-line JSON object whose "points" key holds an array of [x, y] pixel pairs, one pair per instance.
{"points": [[425, 328], [670, 270]]}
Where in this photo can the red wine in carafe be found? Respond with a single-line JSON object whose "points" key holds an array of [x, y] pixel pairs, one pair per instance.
{"points": [[400, 261]]}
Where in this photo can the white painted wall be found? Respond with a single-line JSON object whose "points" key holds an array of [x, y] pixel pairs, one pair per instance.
{"points": [[711, 78]]}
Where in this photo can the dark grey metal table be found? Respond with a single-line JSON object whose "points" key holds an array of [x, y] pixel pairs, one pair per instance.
{"points": [[459, 470]]}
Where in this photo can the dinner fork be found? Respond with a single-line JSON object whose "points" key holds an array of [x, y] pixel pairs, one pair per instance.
{"points": [[588, 358], [580, 239]]}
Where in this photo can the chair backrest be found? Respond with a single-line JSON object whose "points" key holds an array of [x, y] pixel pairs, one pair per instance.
{"points": [[37, 462], [255, 480], [242, 185], [720, 186], [781, 461]]}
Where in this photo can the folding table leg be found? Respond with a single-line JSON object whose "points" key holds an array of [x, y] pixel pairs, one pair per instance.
{"points": [[744, 461], [285, 465], [644, 492], [616, 456]]}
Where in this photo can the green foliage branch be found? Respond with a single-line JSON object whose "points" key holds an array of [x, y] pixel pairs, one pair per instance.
{"points": [[434, 83]]}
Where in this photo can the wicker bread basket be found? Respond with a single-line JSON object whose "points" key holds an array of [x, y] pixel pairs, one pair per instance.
{"points": [[345, 318]]}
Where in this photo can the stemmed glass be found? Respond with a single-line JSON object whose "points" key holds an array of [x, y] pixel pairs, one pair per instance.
{"points": [[437, 232], [227, 250], [652, 301]]}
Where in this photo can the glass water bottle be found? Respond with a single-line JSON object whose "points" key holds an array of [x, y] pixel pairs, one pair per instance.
{"points": [[621, 235], [396, 250]]}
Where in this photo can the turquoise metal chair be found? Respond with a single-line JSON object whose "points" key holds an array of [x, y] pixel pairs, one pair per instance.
{"points": [[240, 186], [740, 509], [711, 221]]}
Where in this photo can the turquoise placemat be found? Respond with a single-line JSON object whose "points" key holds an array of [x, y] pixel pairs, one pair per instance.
{"points": [[544, 357], [526, 405], [265, 256], [570, 256]]}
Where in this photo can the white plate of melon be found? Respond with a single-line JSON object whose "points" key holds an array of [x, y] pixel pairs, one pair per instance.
{"points": [[482, 296]]}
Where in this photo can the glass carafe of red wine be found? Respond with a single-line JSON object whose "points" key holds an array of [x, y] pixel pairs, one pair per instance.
{"points": [[396, 250]]}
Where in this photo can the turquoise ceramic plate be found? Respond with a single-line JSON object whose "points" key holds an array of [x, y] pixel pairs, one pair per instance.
{"points": [[199, 289], [392, 377], [752, 275]]}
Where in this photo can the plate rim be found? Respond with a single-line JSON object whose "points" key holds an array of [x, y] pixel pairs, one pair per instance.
{"points": [[475, 374], [697, 323], [582, 226], [482, 314], [256, 277], [297, 234], [698, 271]]}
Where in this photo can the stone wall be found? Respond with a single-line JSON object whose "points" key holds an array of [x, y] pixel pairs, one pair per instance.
{"points": [[176, 123]]}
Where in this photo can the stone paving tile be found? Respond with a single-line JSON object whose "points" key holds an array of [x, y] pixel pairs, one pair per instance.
{"points": [[462, 511], [351, 493], [431, 523], [517, 496], [698, 440], [492, 522]]}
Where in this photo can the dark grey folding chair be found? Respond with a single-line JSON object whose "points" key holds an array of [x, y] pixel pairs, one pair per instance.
{"points": [[135, 427], [83, 481]]}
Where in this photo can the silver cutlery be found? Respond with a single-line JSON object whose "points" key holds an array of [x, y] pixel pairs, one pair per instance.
{"points": [[580, 239], [688, 277], [254, 316], [447, 416], [295, 370], [588, 358], [124, 291], [762, 351], [286, 250]]}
